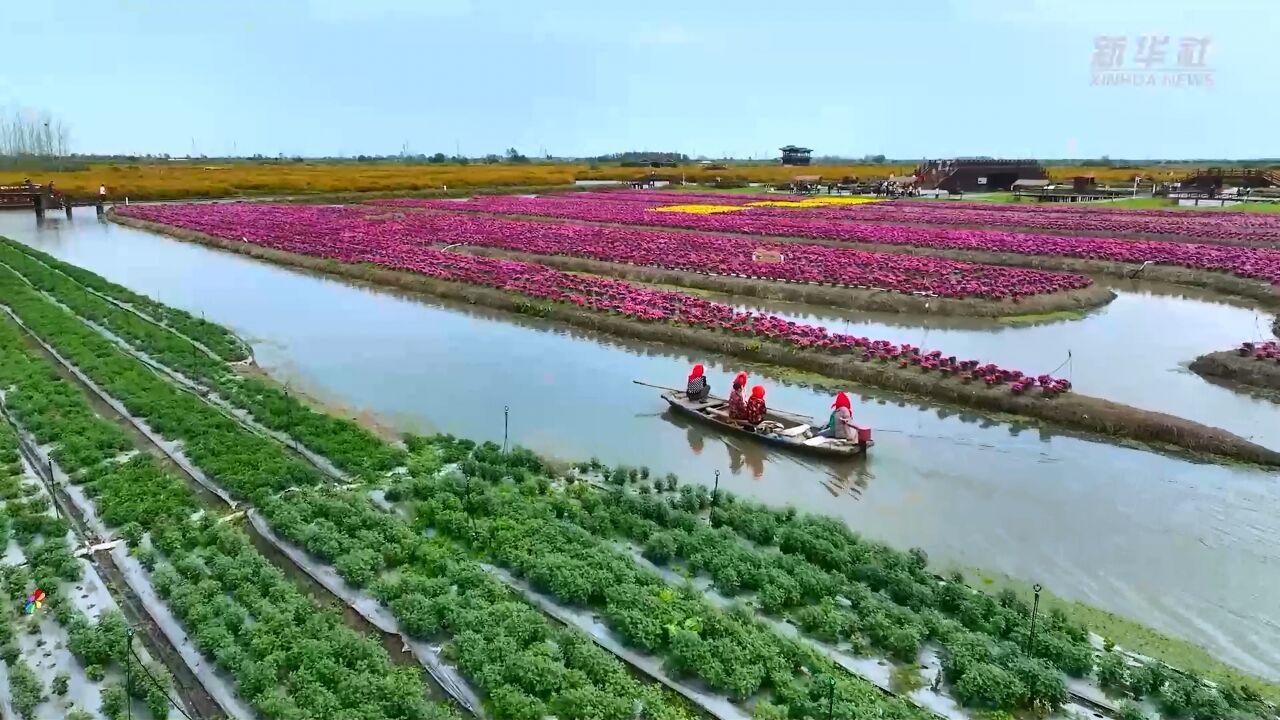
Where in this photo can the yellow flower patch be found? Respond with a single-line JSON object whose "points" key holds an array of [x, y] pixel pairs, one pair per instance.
{"points": [[813, 202], [697, 209], [835, 200]]}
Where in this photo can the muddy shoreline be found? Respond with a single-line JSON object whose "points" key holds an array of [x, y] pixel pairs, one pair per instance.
{"points": [[849, 298], [1079, 412]]}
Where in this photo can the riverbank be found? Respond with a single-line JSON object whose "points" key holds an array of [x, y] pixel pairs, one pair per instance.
{"points": [[849, 298], [1092, 415]]}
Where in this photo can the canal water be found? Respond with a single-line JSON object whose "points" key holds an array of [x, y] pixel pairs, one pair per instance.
{"points": [[1192, 549], [1134, 350]]}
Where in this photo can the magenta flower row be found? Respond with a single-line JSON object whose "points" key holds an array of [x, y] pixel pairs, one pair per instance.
{"points": [[361, 235], [728, 255], [1209, 224], [1248, 262]]}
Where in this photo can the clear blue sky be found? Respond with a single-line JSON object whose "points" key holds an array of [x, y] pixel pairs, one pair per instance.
{"points": [[931, 78]]}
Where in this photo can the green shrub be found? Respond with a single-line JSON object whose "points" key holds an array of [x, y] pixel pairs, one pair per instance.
{"points": [[1112, 671], [25, 690], [113, 701], [660, 548], [1129, 710], [1046, 690], [984, 685], [1147, 679]]}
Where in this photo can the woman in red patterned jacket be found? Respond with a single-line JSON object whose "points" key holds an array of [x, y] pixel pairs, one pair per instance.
{"points": [[738, 403], [755, 406]]}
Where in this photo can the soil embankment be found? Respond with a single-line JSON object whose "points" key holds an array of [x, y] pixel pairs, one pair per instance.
{"points": [[1248, 370], [1079, 412]]}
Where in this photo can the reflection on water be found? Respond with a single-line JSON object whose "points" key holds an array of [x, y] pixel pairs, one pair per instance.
{"points": [[749, 459], [1193, 549]]}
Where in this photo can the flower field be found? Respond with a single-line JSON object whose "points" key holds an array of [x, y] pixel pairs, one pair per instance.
{"points": [[1246, 262], [348, 235], [1210, 225], [1206, 224], [725, 255]]}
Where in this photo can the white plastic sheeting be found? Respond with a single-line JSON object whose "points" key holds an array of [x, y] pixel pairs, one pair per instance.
{"points": [[378, 615]]}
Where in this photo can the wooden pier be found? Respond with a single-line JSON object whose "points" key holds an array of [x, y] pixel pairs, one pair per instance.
{"points": [[43, 198]]}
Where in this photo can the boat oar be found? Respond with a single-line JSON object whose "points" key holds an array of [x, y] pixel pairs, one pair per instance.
{"points": [[660, 387], [771, 410]]}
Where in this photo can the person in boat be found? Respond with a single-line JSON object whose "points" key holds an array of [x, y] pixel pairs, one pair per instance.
{"points": [[840, 425], [756, 407], [737, 399], [697, 389]]}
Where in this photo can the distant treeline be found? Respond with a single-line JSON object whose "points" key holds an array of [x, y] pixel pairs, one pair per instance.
{"points": [[76, 161], [210, 178], [640, 156], [37, 164]]}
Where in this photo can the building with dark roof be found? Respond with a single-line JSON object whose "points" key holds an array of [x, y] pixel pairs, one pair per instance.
{"points": [[977, 174], [795, 155]]}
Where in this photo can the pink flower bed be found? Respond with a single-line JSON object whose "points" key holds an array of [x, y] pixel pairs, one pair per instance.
{"points": [[1260, 351], [355, 235], [1253, 263], [1072, 218], [726, 255]]}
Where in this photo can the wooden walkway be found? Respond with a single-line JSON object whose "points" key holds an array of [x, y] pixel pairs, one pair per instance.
{"points": [[42, 198]]}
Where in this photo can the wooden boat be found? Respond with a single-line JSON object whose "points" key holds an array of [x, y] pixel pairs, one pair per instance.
{"points": [[778, 429]]}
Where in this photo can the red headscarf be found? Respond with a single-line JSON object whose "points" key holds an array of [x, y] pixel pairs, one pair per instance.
{"points": [[758, 392], [842, 401], [697, 372], [740, 380]]}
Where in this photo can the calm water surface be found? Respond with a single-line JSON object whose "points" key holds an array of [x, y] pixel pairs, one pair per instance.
{"points": [[1134, 350], [1192, 549]]}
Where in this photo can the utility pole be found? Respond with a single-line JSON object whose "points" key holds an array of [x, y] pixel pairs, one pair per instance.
{"points": [[831, 698], [128, 667], [1035, 607]]}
